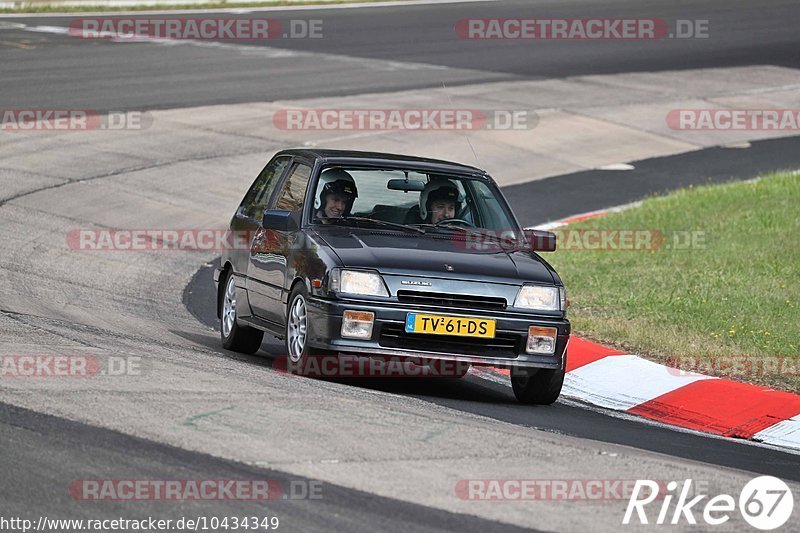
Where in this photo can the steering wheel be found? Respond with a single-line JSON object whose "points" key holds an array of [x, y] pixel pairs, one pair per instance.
{"points": [[455, 221]]}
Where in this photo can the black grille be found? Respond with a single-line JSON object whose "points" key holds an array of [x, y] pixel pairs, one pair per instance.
{"points": [[438, 299], [503, 345]]}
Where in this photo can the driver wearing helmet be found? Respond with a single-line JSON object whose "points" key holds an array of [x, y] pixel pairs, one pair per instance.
{"points": [[337, 193], [438, 201]]}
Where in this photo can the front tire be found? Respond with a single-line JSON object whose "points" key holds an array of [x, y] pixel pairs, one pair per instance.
{"points": [[537, 386], [297, 349], [243, 339]]}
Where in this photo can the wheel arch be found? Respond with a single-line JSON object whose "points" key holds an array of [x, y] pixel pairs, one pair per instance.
{"points": [[298, 280], [227, 267]]}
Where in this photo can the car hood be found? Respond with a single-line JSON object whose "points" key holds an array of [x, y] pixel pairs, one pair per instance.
{"points": [[391, 252]]}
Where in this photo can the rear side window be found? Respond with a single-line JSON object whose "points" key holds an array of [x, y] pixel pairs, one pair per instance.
{"points": [[257, 198], [294, 191]]}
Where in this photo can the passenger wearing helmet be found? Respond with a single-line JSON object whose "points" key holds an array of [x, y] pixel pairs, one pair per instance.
{"points": [[337, 193], [438, 201]]}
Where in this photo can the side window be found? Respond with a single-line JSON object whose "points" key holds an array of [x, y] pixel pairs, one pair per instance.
{"points": [[294, 191], [255, 202], [489, 212]]}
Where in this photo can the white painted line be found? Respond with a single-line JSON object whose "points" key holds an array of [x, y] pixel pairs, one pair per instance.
{"points": [[617, 166], [623, 415], [548, 226], [46, 29], [624, 381], [489, 375], [738, 146], [233, 10], [616, 209], [378, 65], [785, 433], [589, 214]]}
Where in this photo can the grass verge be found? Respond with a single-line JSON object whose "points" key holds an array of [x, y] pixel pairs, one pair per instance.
{"points": [[720, 295]]}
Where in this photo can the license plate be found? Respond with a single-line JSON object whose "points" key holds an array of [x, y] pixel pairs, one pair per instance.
{"points": [[450, 325]]}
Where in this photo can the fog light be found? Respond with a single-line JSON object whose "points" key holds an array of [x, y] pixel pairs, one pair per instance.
{"points": [[357, 324], [541, 340]]}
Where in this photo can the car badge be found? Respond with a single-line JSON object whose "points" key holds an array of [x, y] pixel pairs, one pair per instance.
{"points": [[449, 268], [414, 282]]}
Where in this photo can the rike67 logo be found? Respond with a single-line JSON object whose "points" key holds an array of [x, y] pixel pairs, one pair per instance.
{"points": [[765, 503]]}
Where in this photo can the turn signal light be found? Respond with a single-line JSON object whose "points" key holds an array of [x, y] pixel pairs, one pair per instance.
{"points": [[357, 324], [541, 341]]}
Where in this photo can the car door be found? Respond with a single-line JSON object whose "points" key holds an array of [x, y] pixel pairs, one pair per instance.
{"points": [[269, 252], [247, 220]]}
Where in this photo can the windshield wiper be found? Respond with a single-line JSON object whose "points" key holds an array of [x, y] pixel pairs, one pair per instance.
{"points": [[441, 225], [375, 221]]}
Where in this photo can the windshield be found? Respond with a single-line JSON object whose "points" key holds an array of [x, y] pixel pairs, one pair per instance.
{"points": [[397, 198]]}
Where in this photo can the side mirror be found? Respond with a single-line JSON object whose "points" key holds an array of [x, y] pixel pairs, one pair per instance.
{"points": [[281, 220], [541, 241]]}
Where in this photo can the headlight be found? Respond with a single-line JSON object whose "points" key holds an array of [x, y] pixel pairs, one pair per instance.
{"points": [[539, 297], [358, 282]]}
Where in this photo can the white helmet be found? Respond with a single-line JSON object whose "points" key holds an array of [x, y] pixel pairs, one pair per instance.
{"points": [[438, 189], [336, 180]]}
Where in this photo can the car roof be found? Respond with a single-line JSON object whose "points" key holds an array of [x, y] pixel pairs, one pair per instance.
{"points": [[354, 157]]}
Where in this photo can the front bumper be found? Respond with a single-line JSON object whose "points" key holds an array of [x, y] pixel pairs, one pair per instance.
{"points": [[389, 337]]}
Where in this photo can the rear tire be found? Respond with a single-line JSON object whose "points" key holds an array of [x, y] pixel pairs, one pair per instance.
{"points": [[537, 386], [243, 339]]}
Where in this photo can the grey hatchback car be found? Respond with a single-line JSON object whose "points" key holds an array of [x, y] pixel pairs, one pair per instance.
{"points": [[379, 255]]}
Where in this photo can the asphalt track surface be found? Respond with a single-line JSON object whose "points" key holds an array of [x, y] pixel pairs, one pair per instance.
{"points": [[42, 452], [66, 450], [50, 70]]}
